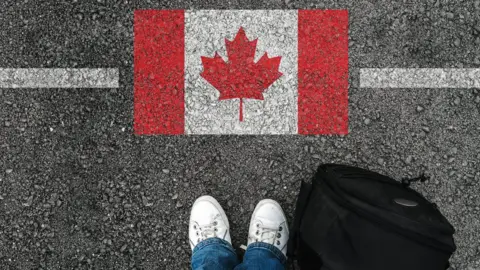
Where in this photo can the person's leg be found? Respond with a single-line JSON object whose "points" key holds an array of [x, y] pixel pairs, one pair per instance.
{"points": [[209, 236], [214, 253], [267, 238]]}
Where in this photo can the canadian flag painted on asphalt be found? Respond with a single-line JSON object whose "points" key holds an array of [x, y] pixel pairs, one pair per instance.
{"points": [[241, 72]]}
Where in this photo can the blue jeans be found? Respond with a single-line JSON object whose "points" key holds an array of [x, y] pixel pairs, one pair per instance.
{"points": [[218, 254]]}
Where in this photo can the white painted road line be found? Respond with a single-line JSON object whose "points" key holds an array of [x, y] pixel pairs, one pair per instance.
{"points": [[59, 77], [369, 78], [420, 78]]}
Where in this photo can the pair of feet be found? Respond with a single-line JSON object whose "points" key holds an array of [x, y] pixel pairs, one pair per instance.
{"points": [[268, 223]]}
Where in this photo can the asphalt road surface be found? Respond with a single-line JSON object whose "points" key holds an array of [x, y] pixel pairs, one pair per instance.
{"points": [[78, 190]]}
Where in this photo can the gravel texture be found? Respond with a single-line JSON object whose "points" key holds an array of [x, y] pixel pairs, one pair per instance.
{"points": [[79, 191]]}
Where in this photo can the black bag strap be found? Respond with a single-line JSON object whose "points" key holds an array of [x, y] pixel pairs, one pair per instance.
{"points": [[407, 181], [302, 200]]}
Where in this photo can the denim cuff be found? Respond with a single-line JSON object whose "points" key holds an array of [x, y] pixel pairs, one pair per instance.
{"points": [[270, 248], [213, 241]]}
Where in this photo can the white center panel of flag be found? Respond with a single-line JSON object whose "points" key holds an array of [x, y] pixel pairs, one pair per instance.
{"points": [[276, 35]]}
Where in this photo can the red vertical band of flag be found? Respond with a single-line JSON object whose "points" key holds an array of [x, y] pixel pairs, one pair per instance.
{"points": [[323, 72], [159, 72]]}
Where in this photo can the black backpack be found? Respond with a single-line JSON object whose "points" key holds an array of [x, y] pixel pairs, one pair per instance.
{"points": [[354, 219]]}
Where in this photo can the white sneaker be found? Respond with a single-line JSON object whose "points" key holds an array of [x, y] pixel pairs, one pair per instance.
{"points": [[269, 225], [207, 220]]}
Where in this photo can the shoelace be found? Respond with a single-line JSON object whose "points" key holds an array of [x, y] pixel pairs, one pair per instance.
{"points": [[266, 233], [208, 230]]}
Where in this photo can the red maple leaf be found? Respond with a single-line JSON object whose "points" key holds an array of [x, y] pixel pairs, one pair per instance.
{"points": [[240, 77]]}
